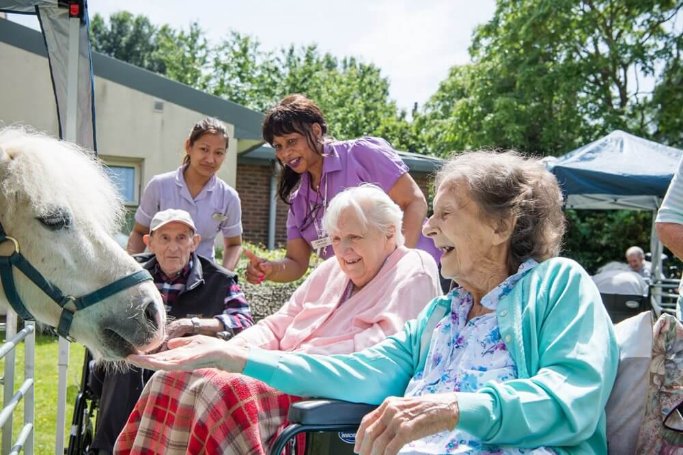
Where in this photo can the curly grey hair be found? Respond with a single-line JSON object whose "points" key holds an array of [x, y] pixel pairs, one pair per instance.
{"points": [[507, 186]]}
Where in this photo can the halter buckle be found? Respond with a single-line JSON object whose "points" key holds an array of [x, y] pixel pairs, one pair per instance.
{"points": [[68, 303], [14, 241]]}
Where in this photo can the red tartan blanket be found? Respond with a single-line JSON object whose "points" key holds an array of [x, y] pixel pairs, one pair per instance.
{"points": [[206, 411]]}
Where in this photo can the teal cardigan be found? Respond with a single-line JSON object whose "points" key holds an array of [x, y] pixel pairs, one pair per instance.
{"points": [[556, 330]]}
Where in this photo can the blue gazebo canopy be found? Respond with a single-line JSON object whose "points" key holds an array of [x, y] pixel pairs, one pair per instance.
{"points": [[618, 171]]}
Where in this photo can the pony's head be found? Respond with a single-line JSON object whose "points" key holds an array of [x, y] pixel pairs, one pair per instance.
{"points": [[59, 205]]}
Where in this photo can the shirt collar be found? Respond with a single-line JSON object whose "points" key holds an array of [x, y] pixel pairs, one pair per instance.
{"points": [[491, 299], [331, 161], [180, 179], [182, 275]]}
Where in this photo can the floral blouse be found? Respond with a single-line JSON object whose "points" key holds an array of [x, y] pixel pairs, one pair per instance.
{"points": [[463, 356]]}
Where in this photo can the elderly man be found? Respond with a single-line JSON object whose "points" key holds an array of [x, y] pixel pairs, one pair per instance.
{"points": [[635, 257], [204, 298]]}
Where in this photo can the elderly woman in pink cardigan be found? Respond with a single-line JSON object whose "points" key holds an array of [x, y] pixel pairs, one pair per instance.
{"points": [[349, 302]]}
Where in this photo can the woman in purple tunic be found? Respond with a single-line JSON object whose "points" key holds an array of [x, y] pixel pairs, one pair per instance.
{"points": [[315, 169]]}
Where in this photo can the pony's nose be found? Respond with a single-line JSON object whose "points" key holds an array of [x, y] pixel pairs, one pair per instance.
{"points": [[152, 314]]}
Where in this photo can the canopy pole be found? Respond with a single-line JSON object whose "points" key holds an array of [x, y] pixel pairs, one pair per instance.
{"points": [[71, 127]]}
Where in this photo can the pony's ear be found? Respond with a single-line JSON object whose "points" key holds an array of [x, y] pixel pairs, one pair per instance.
{"points": [[7, 154]]}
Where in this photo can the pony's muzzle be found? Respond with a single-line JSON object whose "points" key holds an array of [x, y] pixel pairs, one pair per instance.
{"points": [[152, 315]]}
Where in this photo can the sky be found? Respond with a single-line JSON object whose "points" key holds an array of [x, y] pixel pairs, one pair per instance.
{"points": [[413, 42]]}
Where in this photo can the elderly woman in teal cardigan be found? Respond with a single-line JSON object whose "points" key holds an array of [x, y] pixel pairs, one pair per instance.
{"points": [[520, 357]]}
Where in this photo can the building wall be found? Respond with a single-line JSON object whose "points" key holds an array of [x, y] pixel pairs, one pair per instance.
{"points": [[132, 127], [253, 186]]}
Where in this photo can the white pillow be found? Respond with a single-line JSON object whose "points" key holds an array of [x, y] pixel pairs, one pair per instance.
{"points": [[626, 405]]}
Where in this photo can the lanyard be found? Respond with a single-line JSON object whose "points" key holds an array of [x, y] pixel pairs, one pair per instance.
{"points": [[322, 241]]}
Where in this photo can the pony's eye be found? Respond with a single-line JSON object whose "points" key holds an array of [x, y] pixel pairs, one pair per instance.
{"points": [[56, 220]]}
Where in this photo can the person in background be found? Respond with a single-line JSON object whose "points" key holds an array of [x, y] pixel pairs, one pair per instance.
{"points": [[200, 298], [194, 187], [365, 292], [314, 169], [520, 358], [669, 222], [635, 257]]}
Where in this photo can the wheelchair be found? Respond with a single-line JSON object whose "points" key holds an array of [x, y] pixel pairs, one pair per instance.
{"points": [[329, 426], [87, 402], [623, 306]]}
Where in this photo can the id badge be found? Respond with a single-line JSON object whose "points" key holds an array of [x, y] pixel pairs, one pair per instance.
{"points": [[218, 216], [321, 243]]}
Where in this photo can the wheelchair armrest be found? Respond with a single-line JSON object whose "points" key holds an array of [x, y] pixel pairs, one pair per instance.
{"points": [[328, 412]]}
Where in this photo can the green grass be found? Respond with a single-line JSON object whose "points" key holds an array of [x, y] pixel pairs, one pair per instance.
{"points": [[46, 380]]}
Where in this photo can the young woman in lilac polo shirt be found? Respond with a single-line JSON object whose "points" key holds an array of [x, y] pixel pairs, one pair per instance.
{"points": [[194, 187], [315, 169]]}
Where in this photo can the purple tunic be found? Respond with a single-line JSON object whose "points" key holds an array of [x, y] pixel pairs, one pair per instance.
{"points": [[215, 209], [346, 164]]}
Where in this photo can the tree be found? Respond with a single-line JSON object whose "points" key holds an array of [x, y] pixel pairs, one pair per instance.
{"points": [[667, 101], [128, 38], [353, 95], [243, 73], [178, 55], [184, 56], [548, 76]]}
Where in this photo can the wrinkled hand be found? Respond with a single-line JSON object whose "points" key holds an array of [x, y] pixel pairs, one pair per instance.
{"points": [[190, 353], [179, 328], [398, 421], [258, 268]]}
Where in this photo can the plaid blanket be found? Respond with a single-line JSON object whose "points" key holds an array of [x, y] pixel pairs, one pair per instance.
{"points": [[205, 411]]}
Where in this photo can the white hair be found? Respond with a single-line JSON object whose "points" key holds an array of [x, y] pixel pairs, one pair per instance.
{"points": [[41, 179], [373, 207], [635, 250]]}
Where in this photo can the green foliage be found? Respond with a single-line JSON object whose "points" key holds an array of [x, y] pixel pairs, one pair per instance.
{"points": [[595, 237], [546, 77], [667, 100], [184, 55], [353, 95], [128, 38], [550, 75]]}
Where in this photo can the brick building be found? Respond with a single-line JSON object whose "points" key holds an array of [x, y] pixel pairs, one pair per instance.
{"points": [[257, 186]]}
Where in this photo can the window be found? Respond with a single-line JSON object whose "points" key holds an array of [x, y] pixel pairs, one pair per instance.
{"points": [[126, 178]]}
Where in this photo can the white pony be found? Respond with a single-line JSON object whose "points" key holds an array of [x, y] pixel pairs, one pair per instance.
{"points": [[60, 210]]}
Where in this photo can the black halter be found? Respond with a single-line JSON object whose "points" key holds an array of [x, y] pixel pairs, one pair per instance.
{"points": [[68, 303]]}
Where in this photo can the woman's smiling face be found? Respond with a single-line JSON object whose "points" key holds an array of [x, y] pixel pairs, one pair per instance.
{"points": [[207, 154], [360, 251], [293, 150], [466, 238]]}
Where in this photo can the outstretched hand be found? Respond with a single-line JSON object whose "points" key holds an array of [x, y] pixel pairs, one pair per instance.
{"points": [[190, 353], [258, 268], [400, 420]]}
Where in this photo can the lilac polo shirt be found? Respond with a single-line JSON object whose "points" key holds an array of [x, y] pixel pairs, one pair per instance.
{"points": [[346, 164], [215, 209]]}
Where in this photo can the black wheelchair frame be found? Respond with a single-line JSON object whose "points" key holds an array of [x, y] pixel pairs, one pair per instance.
{"points": [[83, 422], [319, 416]]}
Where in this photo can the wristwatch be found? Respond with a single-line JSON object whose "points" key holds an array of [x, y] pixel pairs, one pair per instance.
{"points": [[225, 335], [196, 324]]}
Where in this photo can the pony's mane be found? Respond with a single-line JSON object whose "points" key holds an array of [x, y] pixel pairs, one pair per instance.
{"points": [[44, 170]]}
